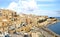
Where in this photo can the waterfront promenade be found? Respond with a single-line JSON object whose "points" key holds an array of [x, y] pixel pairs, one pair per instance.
{"points": [[48, 33]]}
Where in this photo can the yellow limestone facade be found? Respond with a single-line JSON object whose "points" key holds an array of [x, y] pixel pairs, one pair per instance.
{"points": [[10, 21]]}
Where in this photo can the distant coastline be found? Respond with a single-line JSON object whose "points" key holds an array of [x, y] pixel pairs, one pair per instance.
{"points": [[49, 30], [55, 27]]}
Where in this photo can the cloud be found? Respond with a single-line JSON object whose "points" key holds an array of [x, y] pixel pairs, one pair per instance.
{"points": [[30, 7], [46, 0], [23, 5], [47, 5], [47, 12], [58, 12], [12, 5]]}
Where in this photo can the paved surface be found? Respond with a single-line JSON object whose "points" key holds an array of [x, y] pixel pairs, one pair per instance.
{"points": [[14, 35], [44, 31], [47, 33]]}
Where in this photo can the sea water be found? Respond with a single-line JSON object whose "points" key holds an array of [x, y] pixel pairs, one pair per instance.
{"points": [[55, 27]]}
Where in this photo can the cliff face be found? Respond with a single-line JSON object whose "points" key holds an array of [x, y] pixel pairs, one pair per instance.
{"points": [[10, 21]]}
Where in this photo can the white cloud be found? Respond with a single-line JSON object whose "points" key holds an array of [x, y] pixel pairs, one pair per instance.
{"points": [[46, 0], [12, 5], [48, 5], [30, 7], [22, 6]]}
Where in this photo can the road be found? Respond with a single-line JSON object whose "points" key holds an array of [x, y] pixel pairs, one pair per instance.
{"points": [[48, 33]]}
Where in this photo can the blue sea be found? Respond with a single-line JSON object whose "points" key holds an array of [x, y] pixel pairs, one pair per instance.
{"points": [[55, 27]]}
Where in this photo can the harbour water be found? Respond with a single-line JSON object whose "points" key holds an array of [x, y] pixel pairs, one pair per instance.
{"points": [[55, 27]]}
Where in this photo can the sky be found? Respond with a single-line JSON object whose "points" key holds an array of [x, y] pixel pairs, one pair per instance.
{"points": [[38, 7]]}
